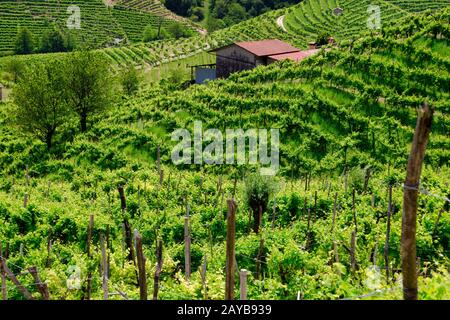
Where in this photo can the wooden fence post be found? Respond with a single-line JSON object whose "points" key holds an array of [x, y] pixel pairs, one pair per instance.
{"points": [[88, 250], [231, 238], [41, 286], [243, 284], [158, 269], [2, 274], [141, 266], [187, 245], [388, 231], [410, 194], [105, 269]]}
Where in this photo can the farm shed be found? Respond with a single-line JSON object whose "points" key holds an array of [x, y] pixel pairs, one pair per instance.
{"points": [[241, 56]]}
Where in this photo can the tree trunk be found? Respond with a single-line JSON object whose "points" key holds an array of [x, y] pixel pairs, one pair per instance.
{"points": [[48, 139], [83, 121]]}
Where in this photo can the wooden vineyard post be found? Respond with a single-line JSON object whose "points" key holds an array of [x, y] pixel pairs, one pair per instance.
{"points": [[353, 252], [187, 245], [158, 269], [315, 207], [437, 222], [243, 284], [388, 231], [410, 194], [203, 276], [335, 251], [41, 286], [16, 282], [88, 250], [158, 164], [126, 225], [105, 269], [334, 212], [25, 200], [259, 258], [354, 211], [231, 238], [27, 176], [3, 275], [49, 250], [141, 266], [366, 179], [274, 212]]}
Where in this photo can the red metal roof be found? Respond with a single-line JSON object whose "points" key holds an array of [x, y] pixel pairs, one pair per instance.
{"points": [[266, 48], [296, 56]]}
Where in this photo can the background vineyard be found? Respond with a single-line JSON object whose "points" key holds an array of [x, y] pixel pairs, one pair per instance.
{"points": [[100, 24]]}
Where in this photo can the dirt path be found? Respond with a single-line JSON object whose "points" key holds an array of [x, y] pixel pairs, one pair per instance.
{"points": [[280, 23]]}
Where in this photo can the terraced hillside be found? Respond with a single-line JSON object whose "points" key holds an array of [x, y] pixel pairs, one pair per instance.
{"points": [[311, 17], [100, 24], [350, 109], [315, 14], [156, 7], [304, 22]]}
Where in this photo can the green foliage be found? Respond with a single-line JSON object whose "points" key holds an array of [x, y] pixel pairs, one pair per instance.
{"points": [[24, 41], [90, 83], [15, 68], [337, 112], [40, 100], [322, 39], [56, 41], [131, 80]]}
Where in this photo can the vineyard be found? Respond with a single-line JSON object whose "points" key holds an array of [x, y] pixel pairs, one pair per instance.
{"points": [[100, 25], [106, 215], [310, 18], [317, 15]]}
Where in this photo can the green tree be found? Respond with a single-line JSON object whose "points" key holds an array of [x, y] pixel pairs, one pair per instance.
{"points": [[24, 41], [90, 83], [52, 41], [150, 34], [322, 39], [15, 68], [40, 101], [177, 31], [258, 190], [130, 80]]}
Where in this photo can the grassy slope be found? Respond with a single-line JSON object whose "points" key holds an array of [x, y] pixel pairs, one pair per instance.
{"points": [[316, 104]]}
